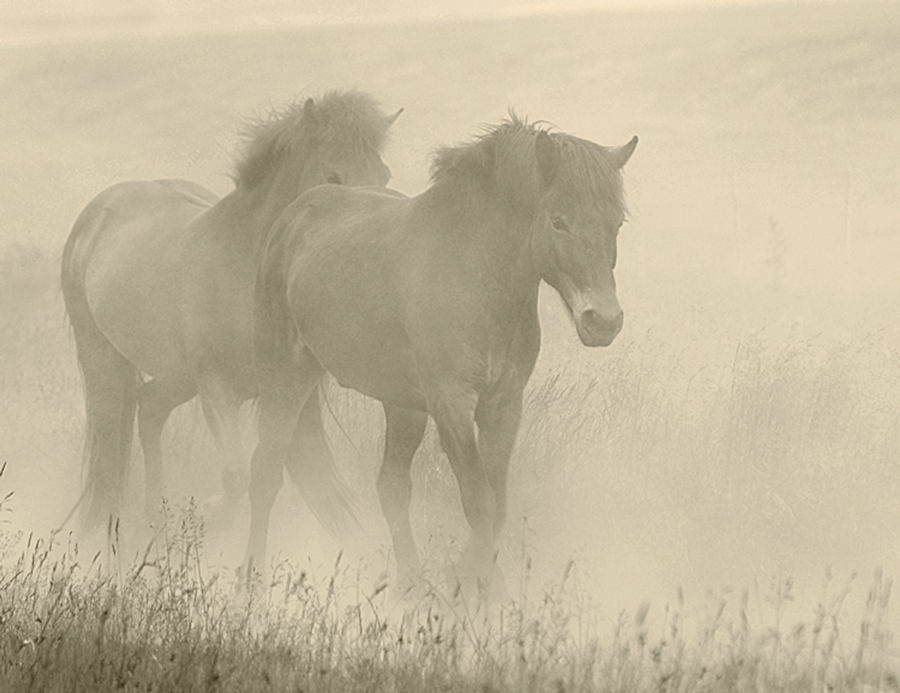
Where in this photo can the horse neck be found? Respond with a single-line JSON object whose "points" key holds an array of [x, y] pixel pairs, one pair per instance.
{"points": [[501, 230]]}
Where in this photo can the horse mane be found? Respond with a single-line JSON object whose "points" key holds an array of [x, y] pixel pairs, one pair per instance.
{"points": [[504, 155], [350, 121]]}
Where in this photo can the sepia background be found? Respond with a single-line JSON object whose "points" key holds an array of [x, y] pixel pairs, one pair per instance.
{"points": [[744, 427]]}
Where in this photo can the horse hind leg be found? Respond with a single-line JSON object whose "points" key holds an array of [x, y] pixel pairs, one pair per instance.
{"points": [[404, 430], [284, 390], [110, 388], [156, 401], [110, 384], [222, 410]]}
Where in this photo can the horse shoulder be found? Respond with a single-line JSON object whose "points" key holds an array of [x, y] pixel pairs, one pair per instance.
{"points": [[525, 345]]}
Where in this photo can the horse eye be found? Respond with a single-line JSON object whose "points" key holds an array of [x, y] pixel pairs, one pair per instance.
{"points": [[559, 223], [334, 179]]}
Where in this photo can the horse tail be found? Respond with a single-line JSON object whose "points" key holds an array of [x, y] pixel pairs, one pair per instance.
{"points": [[314, 472], [310, 461], [110, 392]]}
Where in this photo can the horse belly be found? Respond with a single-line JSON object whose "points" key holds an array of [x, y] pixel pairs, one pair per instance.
{"points": [[377, 364], [218, 329]]}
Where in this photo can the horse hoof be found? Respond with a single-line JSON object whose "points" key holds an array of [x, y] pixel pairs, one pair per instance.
{"points": [[485, 587], [236, 482], [219, 514]]}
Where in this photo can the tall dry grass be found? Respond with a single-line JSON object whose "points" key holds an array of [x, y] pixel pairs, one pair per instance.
{"points": [[166, 621]]}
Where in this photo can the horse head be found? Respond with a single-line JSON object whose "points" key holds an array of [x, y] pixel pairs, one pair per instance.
{"points": [[345, 137], [336, 139], [577, 225]]}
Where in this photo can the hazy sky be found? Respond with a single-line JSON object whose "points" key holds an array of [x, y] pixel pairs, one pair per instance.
{"points": [[48, 9], [41, 20]]}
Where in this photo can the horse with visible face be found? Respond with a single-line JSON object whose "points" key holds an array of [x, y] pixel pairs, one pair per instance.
{"points": [[158, 281], [430, 305]]}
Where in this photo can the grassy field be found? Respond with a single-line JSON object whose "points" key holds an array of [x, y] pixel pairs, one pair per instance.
{"points": [[165, 622], [740, 436]]}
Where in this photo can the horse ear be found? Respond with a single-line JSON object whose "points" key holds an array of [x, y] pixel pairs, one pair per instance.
{"points": [[547, 154], [310, 112], [621, 155], [391, 119]]}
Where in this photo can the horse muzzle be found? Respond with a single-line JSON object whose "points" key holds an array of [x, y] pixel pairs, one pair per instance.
{"points": [[596, 328]]}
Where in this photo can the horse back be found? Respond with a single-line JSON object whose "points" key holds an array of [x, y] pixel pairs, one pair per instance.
{"points": [[130, 207]]}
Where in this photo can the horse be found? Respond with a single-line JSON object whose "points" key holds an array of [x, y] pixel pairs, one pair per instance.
{"points": [[158, 278], [430, 305]]}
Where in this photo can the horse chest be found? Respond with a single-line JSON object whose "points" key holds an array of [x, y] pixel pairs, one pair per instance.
{"points": [[495, 367], [511, 362]]}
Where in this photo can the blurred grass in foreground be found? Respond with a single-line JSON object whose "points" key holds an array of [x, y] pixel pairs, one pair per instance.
{"points": [[166, 621]]}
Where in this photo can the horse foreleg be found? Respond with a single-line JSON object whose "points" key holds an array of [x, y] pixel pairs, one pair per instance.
{"points": [[498, 423], [455, 421], [403, 433], [156, 401], [222, 410]]}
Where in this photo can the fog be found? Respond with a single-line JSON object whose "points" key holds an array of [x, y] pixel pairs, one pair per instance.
{"points": [[743, 427]]}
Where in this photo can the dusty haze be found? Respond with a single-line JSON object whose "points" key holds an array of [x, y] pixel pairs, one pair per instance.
{"points": [[745, 424]]}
